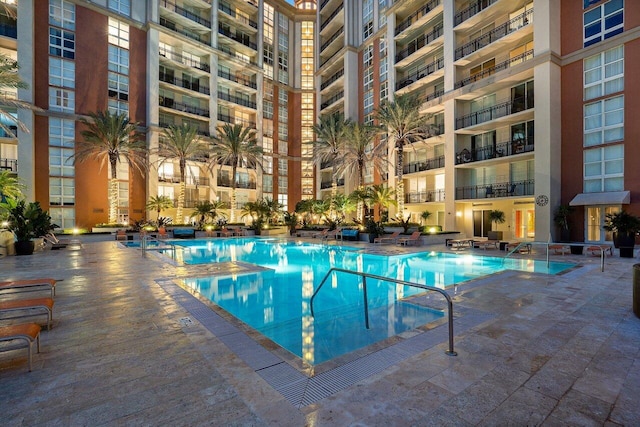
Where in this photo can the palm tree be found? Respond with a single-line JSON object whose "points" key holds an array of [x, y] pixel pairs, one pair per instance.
{"points": [[405, 125], [9, 78], [236, 146], [362, 150], [382, 196], [207, 210], [181, 143], [330, 136], [10, 187], [343, 205], [111, 139], [159, 203]]}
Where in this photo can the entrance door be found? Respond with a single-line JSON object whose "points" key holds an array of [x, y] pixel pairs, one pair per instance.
{"points": [[524, 223], [481, 223], [596, 216]]}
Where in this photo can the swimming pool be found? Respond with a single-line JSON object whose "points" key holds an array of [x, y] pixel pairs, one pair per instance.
{"points": [[275, 300]]}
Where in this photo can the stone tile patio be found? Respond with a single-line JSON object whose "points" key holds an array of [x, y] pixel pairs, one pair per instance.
{"points": [[548, 350]]}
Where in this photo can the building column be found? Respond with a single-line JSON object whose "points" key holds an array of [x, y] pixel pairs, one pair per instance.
{"points": [[26, 141]]}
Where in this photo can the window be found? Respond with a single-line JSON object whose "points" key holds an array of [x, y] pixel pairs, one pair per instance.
{"points": [[118, 33], [267, 109], [61, 191], [604, 121], [267, 164], [384, 90], [383, 69], [62, 73], [368, 102], [604, 73], [268, 54], [62, 13], [367, 31], [283, 199], [61, 100], [61, 43], [604, 169], [367, 56], [267, 144], [283, 169], [63, 217], [603, 22], [368, 79], [61, 132], [118, 107], [367, 19], [121, 6], [118, 86], [267, 184], [118, 59], [59, 161]]}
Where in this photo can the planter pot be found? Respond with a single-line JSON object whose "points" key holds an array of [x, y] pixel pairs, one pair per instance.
{"points": [[24, 248], [624, 240], [576, 250], [494, 235], [626, 251]]}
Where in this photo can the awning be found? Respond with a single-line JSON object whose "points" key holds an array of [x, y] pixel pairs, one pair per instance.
{"points": [[609, 198]]}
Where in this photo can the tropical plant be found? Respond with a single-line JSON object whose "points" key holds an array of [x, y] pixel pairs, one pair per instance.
{"points": [[251, 210], [405, 223], [402, 120], [10, 79], [561, 217], [496, 217], [10, 187], [27, 220], [163, 221], [329, 143], [236, 146], [384, 197], [181, 143], [305, 207], [622, 223], [342, 205], [111, 139], [374, 228], [320, 209], [425, 215], [159, 203], [206, 210], [291, 221]]}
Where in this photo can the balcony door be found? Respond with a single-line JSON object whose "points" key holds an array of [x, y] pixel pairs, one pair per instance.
{"points": [[481, 223]]}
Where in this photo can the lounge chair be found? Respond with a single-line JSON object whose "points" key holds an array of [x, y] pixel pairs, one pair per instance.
{"points": [[333, 234], [28, 332], [523, 248], [484, 244], [54, 242], [393, 238], [559, 249], [121, 235], [596, 250], [414, 239], [30, 285], [320, 234], [30, 305]]}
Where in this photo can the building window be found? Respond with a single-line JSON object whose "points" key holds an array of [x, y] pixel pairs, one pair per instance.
{"points": [[368, 79], [62, 43], [368, 102], [267, 164], [283, 132], [604, 169], [61, 132], [283, 199], [383, 69], [123, 7], [283, 169], [62, 13], [118, 107], [603, 22], [62, 73], [62, 191], [61, 100], [63, 217], [367, 56], [267, 184], [118, 33], [59, 161], [267, 144], [384, 90], [604, 73], [267, 109], [604, 121], [367, 31], [118, 86], [118, 60]]}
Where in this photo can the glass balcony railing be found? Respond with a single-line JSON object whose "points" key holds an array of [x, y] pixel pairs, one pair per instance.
{"points": [[185, 108], [225, 182], [328, 184], [238, 79]]}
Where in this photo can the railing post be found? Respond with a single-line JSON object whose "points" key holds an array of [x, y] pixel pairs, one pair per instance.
{"points": [[366, 302], [450, 351]]}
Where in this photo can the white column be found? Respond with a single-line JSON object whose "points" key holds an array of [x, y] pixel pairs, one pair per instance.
{"points": [[26, 143]]}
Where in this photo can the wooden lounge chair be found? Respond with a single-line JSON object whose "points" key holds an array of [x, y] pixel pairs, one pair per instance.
{"points": [[393, 238], [333, 234], [484, 244], [121, 235], [29, 285], [28, 332], [29, 305], [414, 239], [320, 234]]}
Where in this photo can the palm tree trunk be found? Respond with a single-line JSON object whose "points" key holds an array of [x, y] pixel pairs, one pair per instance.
{"points": [[113, 201], [334, 191], [400, 183], [180, 211], [232, 208]]}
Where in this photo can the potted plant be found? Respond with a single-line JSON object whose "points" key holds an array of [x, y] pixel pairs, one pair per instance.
{"points": [[26, 221], [562, 220], [496, 217], [624, 226], [374, 228], [291, 220]]}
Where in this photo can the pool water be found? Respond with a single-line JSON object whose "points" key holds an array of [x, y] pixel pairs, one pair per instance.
{"points": [[276, 301]]}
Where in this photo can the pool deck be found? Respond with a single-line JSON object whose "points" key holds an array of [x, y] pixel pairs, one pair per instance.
{"points": [[126, 349]]}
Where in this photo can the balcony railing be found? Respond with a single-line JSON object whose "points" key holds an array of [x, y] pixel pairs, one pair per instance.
{"points": [[172, 26], [227, 9], [199, 131], [475, 8], [502, 149], [332, 38], [224, 182], [421, 73], [10, 165], [330, 18], [332, 79], [324, 3], [333, 99], [8, 30], [189, 180], [495, 34], [328, 184], [187, 84], [499, 189], [420, 42], [238, 79], [233, 120], [183, 60], [239, 37], [409, 20], [424, 165], [184, 12], [179, 106], [434, 95], [424, 196], [237, 100], [188, 203], [492, 113], [499, 67], [243, 58]]}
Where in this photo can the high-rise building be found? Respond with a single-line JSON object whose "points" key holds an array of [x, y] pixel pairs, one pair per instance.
{"points": [[525, 101]]}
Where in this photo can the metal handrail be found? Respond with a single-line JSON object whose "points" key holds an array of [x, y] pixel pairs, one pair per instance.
{"points": [[547, 244], [364, 276], [145, 241]]}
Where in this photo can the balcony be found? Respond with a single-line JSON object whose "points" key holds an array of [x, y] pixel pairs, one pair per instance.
{"points": [[332, 79], [226, 182], [178, 106], [186, 84], [414, 17], [233, 120], [492, 113], [502, 149], [335, 98], [328, 184], [189, 62], [434, 95], [332, 38], [421, 73], [172, 26], [420, 42], [472, 10], [199, 131], [184, 12], [238, 37], [237, 100], [424, 196], [10, 165], [496, 190], [188, 203], [237, 79], [235, 54], [423, 165], [499, 67], [330, 18], [189, 180], [227, 9], [495, 34]]}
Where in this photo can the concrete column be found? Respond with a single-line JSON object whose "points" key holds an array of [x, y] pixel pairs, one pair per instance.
{"points": [[450, 222]]}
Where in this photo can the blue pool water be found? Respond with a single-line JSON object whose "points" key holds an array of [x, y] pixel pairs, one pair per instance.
{"points": [[276, 301]]}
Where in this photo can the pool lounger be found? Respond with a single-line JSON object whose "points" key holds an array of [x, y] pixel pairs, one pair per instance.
{"points": [[29, 305], [27, 332], [29, 285]]}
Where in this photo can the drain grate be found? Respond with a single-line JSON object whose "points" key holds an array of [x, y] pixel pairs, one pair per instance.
{"points": [[186, 322]]}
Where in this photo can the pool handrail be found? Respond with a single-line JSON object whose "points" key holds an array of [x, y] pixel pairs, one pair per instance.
{"points": [[449, 352], [547, 244], [146, 239]]}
